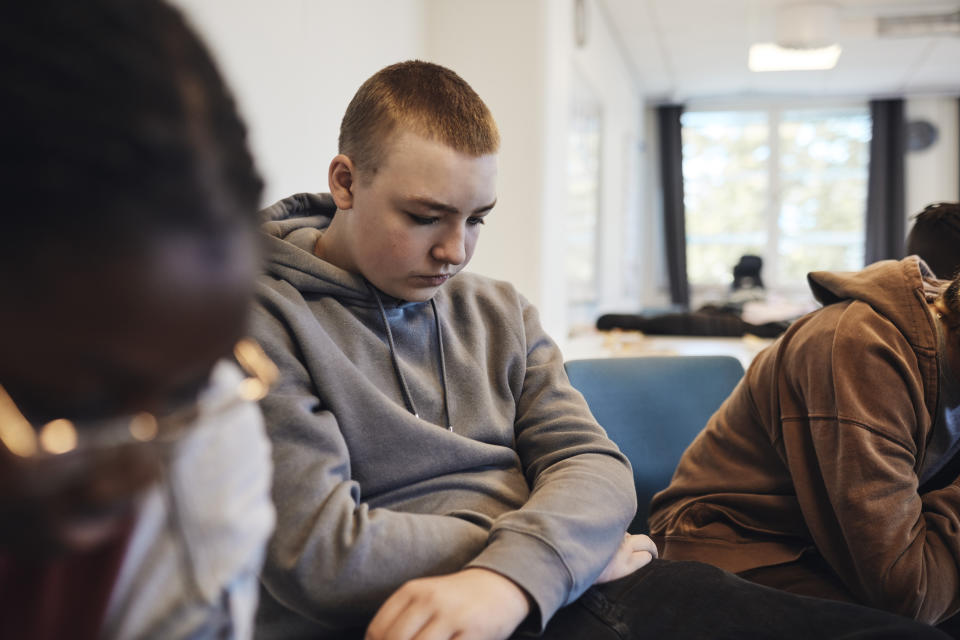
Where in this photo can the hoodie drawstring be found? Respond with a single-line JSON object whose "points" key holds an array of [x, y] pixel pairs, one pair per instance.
{"points": [[443, 366], [404, 389]]}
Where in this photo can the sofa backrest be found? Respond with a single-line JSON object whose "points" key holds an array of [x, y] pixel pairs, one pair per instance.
{"points": [[653, 407]]}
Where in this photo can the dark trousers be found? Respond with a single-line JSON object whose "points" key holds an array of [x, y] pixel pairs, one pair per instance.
{"points": [[812, 575], [669, 600]]}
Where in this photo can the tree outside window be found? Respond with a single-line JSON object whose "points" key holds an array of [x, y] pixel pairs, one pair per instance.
{"points": [[789, 185]]}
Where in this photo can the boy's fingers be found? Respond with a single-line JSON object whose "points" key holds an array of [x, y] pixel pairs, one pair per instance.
{"points": [[640, 542], [386, 616], [641, 559]]}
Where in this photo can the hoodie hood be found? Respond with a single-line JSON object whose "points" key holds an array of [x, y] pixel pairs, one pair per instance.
{"points": [[892, 288], [291, 228]]}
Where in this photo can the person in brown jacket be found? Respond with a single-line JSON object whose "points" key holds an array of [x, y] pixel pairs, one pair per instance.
{"points": [[832, 469]]}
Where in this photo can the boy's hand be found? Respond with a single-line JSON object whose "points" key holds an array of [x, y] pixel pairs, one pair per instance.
{"points": [[635, 551], [473, 604]]}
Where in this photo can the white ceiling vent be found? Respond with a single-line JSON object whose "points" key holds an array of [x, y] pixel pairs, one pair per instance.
{"points": [[929, 25]]}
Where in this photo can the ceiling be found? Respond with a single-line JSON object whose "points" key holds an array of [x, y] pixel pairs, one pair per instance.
{"points": [[688, 50]]}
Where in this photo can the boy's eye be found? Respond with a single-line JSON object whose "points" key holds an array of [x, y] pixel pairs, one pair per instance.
{"points": [[423, 219], [475, 221]]}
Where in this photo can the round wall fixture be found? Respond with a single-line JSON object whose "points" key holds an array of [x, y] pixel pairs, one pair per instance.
{"points": [[921, 134]]}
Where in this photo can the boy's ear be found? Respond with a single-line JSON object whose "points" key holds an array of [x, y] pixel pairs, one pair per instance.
{"points": [[340, 178]]}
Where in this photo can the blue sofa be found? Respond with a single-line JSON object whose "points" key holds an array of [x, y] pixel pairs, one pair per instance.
{"points": [[653, 407]]}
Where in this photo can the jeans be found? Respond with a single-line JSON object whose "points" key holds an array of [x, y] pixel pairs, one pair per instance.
{"points": [[668, 600]]}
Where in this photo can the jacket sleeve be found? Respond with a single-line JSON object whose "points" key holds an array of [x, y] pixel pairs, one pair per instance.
{"points": [[854, 472], [582, 494], [333, 559], [193, 559]]}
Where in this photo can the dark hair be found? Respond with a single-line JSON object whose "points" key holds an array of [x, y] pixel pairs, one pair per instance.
{"points": [[115, 125], [950, 297], [935, 237], [421, 97]]}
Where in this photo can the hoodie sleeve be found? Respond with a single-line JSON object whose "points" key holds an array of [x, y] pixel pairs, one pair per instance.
{"points": [[852, 457], [582, 494], [332, 559]]}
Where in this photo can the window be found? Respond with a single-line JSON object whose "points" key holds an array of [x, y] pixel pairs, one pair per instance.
{"points": [[582, 222], [789, 185]]}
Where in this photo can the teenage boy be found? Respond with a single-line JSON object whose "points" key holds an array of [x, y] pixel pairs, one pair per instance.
{"points": [[436, 474], [134, 469]]}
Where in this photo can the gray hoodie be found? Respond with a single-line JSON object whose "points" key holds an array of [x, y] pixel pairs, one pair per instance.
{"points": [[453, 439]]}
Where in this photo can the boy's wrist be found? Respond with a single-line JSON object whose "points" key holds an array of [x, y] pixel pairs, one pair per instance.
{"points": [[512, 593]]}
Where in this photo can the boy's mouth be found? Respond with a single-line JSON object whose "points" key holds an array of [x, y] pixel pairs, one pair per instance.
{"points": [[435, 280]]}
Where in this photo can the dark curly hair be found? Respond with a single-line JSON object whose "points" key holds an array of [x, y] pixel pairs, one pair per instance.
{"points": [[935, 237], [116, 125], [949, 300]]}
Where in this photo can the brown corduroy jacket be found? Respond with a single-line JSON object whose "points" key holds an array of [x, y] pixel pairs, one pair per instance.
{"points": [[819, 449]]}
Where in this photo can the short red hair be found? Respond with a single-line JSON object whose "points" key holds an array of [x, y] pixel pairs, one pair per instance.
{"points": [[423, 98]]}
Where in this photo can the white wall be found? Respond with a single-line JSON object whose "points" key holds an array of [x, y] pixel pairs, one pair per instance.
{"points": [[932, 174], [498, 46], [295, 64]]}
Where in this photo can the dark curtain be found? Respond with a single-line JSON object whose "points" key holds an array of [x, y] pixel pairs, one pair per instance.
{"points": [[671, 178], [886, 214]]}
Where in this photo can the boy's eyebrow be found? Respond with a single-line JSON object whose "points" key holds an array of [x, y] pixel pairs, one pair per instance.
{"points": [[430, 203]]}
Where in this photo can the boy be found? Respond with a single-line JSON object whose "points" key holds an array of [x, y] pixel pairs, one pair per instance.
{"points": [[832, 470], [134, 470], [436, 474]]}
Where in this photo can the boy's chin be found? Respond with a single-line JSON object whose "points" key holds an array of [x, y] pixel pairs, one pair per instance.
{"points": [[422, 296], [413, 294]]}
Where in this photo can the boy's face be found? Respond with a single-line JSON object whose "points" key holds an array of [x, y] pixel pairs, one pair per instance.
{"points": [[415, 222]]}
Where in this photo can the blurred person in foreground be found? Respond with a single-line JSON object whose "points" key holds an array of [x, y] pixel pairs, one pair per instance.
{"points": [[832, 469], [134, 471]]}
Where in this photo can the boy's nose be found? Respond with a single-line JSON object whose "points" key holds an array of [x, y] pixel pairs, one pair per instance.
{"points": [[450, 248]]}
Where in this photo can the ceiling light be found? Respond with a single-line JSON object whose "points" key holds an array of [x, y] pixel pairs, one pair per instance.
{"points": [[767, 56], [807, 25]]}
